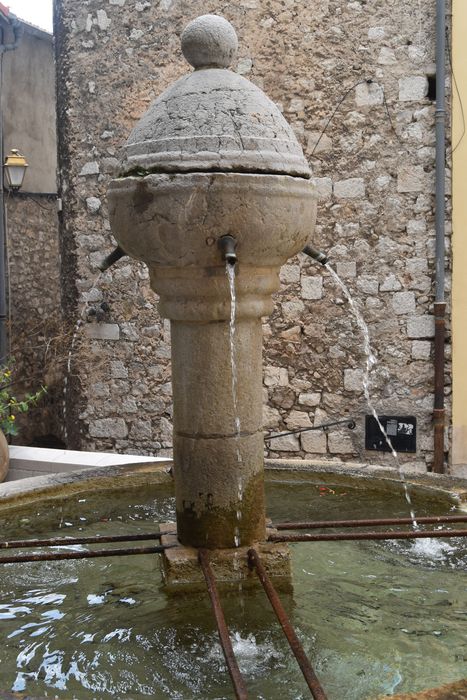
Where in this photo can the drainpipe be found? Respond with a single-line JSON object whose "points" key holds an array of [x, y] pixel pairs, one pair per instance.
{"points": [[440, 304], [17, 29]]}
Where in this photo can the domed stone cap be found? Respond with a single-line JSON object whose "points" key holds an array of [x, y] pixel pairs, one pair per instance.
{"points": [[213, 119]]}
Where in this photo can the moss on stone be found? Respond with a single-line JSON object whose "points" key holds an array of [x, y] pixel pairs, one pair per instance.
{"points": [[218, 528]]}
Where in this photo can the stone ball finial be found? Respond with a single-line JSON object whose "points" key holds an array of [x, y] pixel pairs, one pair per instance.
{"points": [[209, 41]]}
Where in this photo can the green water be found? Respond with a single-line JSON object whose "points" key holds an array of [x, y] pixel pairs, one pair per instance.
{"points": [[374, 618]]}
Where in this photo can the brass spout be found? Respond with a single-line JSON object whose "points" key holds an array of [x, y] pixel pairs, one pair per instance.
{"points": [[315, 254], [227, 246]]}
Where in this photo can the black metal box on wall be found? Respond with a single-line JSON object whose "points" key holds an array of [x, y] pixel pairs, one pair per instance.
{"points": [[401, 430]]}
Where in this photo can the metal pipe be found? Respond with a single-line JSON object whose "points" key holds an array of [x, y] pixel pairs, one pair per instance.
{"points": [[17, 28], [321, 524], [343, 536], [439, 410], [350, 423], [440, 128], [311, 678], [111, 259], [234, 671], [227, 246], [93, 539], [59, 556], [440, 213], [315, 254]]}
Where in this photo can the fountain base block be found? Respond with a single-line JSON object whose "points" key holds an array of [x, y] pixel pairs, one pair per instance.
{"points": [[182, 572]]}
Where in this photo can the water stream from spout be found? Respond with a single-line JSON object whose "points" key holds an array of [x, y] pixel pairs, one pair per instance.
{"points": [[369, 364], [230, 272], [74, 338]]}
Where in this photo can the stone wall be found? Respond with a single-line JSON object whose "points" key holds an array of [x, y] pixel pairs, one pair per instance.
{"points": [[36, 333], [352, 78]]}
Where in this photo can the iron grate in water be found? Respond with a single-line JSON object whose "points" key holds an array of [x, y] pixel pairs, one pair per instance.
{"points": [[254, 563]]}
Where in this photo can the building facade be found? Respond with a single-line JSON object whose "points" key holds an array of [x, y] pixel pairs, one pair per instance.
{"points": [[32, 270], [356, 81], [459, 244]]}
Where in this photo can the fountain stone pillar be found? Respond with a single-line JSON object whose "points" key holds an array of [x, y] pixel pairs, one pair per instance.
{"points": [[214, 157]]}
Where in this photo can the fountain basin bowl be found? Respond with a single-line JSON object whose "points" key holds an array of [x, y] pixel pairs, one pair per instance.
{"points": [[176, 220]]}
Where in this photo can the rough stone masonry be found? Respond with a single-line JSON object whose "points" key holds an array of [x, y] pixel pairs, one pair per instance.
{"points": [[366, 65]]}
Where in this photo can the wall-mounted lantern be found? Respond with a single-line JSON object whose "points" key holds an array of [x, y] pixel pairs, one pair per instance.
{"points": [[15, 169]]}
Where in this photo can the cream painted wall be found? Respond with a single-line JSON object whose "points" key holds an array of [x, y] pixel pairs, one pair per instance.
{"points": [[29, 120], [459, 290]]}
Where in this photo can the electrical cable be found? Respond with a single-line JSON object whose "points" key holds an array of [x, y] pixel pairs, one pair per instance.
{"points": [[31, 199], [360, 82], [454, 81], [368, 81], [393, 128]]}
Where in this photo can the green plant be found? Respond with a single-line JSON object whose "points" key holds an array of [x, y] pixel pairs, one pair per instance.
{"points": [[10, 405]]}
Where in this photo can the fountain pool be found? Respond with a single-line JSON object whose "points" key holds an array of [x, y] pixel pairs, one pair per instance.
{"points": [[375, 618]]}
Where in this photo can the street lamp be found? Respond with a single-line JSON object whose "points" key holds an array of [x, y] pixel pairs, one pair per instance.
{"points": [[15, 169]]}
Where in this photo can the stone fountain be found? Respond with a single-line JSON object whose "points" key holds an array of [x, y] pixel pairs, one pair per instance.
{"points": [[213, 175], [212, 181]]}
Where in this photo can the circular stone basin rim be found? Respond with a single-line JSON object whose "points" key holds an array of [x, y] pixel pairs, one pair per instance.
{"points": [[111, 478]]}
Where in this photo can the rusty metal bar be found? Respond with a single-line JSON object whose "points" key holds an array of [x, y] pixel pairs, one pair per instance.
{"points": [[89, 539], [341, 536], [234, 671], [311, 678], [321, 524], [59, 556], [350, 422], [439, 410]]}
